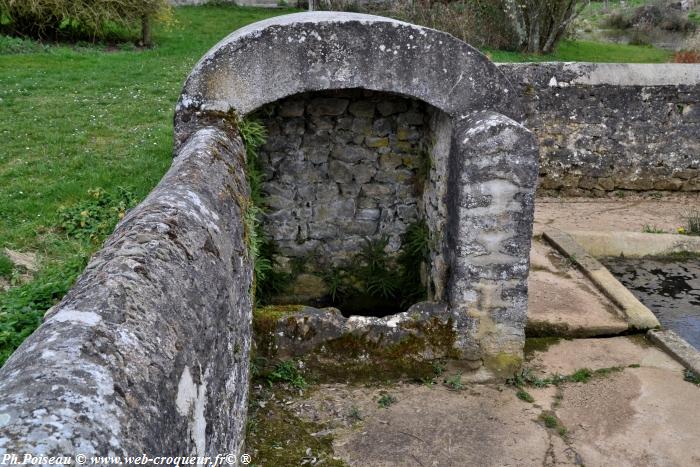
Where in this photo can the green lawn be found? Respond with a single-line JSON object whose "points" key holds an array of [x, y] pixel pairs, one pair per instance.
{"points": [[584, 51], [74, 119]]}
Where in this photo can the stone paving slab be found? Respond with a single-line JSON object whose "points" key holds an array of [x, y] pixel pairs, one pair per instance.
{"points": [[644, 415], [563, 301]]}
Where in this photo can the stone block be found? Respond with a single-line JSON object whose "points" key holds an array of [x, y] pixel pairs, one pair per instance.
{"points": [[340, 172], [327, 106], [377, 190], [349, 153], [376, 142], [362, 109], [381, 127], [292, 108], [390, 107]]}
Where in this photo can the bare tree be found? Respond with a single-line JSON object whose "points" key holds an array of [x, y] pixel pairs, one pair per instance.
{"points": [[539, 25]]}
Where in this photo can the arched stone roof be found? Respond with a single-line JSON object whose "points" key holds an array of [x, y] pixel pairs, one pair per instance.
{"points": [[302, 52]]}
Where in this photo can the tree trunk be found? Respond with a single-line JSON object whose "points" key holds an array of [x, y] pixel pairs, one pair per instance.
{"points": [[146, 40], [514, 13]]}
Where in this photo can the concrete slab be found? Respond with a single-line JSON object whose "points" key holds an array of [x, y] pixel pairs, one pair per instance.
{"points": [[483, 425], [627, 214], [644, 415], [563, 302]]}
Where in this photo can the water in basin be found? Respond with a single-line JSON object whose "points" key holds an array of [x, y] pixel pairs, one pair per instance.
{"points": [[669, 288]]}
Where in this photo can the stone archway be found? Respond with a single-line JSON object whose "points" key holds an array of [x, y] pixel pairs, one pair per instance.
{"points": [[478, 200]]}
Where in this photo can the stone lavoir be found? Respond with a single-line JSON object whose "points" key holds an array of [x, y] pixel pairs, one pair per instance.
{"points": [[377, 129]]}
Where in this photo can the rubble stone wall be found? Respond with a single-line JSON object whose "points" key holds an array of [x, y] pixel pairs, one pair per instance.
{"points": [[607, 127]]}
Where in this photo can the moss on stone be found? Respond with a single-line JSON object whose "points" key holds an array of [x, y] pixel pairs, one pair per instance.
{"points": [[503, 363], [265, 320], [438, 336], [538, 344], [277, 437], [355, 358]]}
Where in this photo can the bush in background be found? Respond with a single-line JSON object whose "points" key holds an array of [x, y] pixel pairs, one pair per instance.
{"points": [[534, 26], [82, 19]]}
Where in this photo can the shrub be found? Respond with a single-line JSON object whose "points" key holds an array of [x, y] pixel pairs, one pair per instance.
{"points": [[618, 20], [95, 217], [529, 25], [17, 45], [82, 19], [686, 56]]}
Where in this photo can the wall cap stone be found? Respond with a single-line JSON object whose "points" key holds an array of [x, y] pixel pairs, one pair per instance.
{"points": [[563, 74]]}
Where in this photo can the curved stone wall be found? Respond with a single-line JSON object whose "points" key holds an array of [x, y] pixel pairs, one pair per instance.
{"points": [[150, 347]]}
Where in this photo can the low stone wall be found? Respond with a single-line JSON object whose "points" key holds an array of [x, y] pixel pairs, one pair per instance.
{"points": [[605, 127], [148, 352]]}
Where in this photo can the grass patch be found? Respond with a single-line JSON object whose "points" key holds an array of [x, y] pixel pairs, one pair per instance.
{"points": [[455, 382], [588, 51], [386, 400], [523, 395], [6, 266], [74, 118], [691, 377], [286, 372]]}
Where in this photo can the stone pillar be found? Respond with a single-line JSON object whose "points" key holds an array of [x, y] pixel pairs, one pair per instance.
{"points": [[148, 352], [490, 201]]}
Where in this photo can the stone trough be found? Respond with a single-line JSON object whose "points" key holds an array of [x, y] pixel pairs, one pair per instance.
{"points": [[149, 352]]}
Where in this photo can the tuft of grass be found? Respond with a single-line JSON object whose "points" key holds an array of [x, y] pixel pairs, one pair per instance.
{"points": [[691, 223], [582, 375], [691, 377], [454, 382], [386, 400], [549, 420], [355, 415], [648, 228], [287, 372], [6, 266], [524, 396]]}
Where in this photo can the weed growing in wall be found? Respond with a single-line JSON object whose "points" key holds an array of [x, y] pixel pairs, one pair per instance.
{"points": [[268, 280], [372, 280]]}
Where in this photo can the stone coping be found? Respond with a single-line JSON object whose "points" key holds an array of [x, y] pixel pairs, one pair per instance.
{"points": [[634, 244]]}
